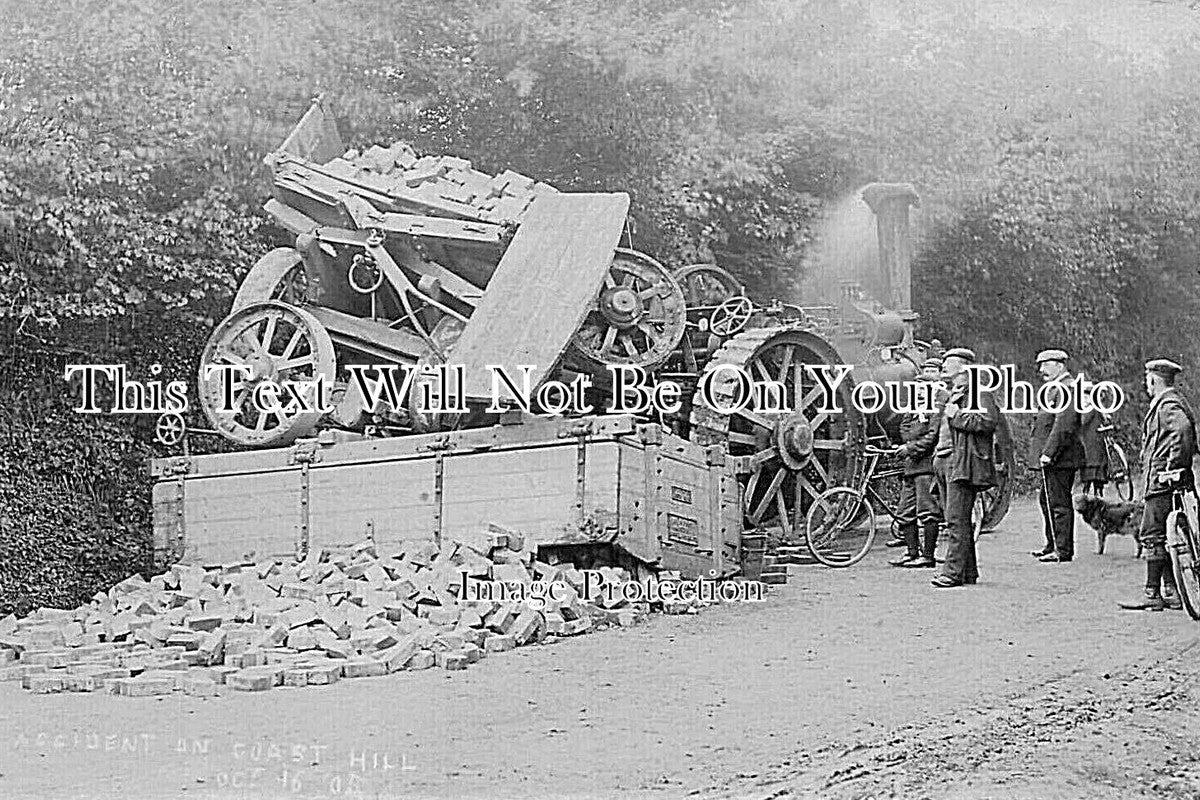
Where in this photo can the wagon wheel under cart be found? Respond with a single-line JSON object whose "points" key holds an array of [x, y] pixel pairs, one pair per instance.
{"points": [[270, 342], [788, 459]]}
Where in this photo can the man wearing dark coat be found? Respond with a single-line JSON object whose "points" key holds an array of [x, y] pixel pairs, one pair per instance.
{"points": [[967, 465], [918, 513], [1168, 445], [1056, 452]]}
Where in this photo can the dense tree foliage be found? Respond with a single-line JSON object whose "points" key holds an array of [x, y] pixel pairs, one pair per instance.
{"points": [[1058, 170]]}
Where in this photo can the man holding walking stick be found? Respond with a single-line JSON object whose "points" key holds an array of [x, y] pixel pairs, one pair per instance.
{"points": [[1056, 452]]}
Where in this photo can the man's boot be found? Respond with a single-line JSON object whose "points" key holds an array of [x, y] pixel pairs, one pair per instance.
{"points": [[1170, 594], [908, 534], [1152, 601], [929, 537]]}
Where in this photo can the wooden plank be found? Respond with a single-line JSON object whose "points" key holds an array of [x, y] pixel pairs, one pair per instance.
{"points": [[543, 287], [441, 228], [290, 218], [370, 337], [456, 285]]}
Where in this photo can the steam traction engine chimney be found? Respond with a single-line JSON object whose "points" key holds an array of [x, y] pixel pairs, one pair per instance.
{"points": [[890, 203]]}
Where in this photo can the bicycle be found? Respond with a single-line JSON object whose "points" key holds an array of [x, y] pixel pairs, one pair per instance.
{"points": [[1116, 463], [1183, 544], [840, 526]]}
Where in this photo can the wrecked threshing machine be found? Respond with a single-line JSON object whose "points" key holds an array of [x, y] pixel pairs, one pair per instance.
{"points": [[401, 259]]}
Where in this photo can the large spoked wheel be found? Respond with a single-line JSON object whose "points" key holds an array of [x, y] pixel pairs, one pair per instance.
{"points": [[1185, 561], [271, 343], [1119, 472], [840, 527], [707, 285], [639, 315], [279, 275], [790, 457]]}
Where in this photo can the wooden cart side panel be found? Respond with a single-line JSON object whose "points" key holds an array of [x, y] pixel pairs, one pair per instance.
{"points": [[602, 486], [167, 511], [731, 519], [533, 490], [241, 517], [637, 534], [683, 514], [387, 501], [668, 495]]}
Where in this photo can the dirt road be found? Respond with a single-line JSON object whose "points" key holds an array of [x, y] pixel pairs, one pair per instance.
{"points": [[855, 683]]}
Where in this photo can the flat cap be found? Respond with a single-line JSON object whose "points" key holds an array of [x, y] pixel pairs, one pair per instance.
{"points": [[1163, 365], [1052, 355], [960, 352], [931, 363]]}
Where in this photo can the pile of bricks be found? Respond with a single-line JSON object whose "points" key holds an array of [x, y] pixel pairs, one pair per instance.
{"points": [[345, 613], [439, 181]]}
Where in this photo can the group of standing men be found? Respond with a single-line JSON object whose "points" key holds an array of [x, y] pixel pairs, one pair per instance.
{"points": [[949, 459]]}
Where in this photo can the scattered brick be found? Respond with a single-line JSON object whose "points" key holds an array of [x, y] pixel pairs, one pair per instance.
{"points": [[450, 660], [252, 679], [422, 659], [342, 612]]}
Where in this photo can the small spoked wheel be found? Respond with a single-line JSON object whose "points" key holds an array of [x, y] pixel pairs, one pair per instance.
{"points": [[731, 317], [1185, 561], [170, 428], [840, 527]]}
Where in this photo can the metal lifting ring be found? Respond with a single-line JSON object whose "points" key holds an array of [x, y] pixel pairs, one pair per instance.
{"points": [[364, 261], [375, 237]]}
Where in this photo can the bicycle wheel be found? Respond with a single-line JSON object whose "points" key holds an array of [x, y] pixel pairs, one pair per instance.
{"points": [[840, 527], [1185, 561], [1119, 472]]}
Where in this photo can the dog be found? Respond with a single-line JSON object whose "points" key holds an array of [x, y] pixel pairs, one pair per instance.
{"points": [[1110, 518]]}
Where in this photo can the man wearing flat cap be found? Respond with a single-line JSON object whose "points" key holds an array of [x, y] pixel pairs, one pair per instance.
{"points": [[918, 514], [1168, 444], [1056, 451], [963, 458]]}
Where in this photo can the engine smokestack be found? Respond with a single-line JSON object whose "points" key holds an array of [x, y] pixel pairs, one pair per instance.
{"points": [[890, 203]]}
